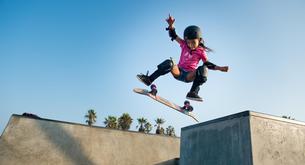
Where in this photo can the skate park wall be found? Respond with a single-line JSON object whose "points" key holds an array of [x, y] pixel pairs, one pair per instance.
{"points": [[247, 138], [42, 141]]}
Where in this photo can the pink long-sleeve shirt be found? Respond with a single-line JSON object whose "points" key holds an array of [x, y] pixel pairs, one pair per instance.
{"points": [[189, 60]]}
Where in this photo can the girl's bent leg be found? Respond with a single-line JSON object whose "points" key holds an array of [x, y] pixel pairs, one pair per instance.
{"points": [[200, 78], [163, 68], [175, 71]]}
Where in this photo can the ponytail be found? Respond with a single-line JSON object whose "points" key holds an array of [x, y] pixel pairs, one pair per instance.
{"points": [[205, 47]]}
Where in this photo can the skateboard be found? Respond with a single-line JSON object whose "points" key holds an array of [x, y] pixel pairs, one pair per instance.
{"points": [[186, 109]]}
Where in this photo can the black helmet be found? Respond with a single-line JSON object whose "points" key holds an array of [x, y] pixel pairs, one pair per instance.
{"points": [[192, 32]]}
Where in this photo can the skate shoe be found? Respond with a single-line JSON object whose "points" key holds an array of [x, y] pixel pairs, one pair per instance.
{"points": [[193, 96], [144, 78]]}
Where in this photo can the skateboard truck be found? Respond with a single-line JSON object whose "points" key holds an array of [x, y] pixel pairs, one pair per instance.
{"points": [[154, 90], [187, 106]]}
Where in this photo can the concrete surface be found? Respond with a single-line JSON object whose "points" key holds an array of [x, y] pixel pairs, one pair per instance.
{"points": [[217, 142], [246, 138], [277, 141], [42, 141]]}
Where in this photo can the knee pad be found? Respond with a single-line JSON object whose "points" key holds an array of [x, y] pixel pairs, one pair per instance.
{"points": [[165, 67], [202, 71], [201, 75]]}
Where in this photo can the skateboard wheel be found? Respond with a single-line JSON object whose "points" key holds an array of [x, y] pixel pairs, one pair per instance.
{"points": [[153, 86], [186, 103]]}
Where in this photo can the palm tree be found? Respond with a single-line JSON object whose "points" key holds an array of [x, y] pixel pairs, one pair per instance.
{"points": [[141, 122], [91, 117], [111, 122], [125, 121], [147, 127], [170, 131], [159, 122]]}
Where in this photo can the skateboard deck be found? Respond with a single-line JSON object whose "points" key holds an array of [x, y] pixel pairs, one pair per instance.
{"points": [[165, 102]]}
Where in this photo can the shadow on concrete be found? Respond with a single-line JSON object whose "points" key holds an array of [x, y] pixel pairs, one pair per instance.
{"points": [[65, 143], [169, 162]]}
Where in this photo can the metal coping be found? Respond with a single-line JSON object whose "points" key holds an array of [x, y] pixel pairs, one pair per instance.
{"points": [[244, 114]]}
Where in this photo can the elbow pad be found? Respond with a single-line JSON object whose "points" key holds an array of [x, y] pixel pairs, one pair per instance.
{"points": [[210, 65], [172, 33]]}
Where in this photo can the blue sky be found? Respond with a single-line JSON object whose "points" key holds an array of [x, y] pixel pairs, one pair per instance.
{"points": [[58, 59]]}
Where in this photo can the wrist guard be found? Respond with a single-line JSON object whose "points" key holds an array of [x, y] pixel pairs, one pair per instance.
{"points": [[210, 65], [172, 33]]}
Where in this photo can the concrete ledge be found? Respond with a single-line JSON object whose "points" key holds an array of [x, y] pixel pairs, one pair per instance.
{"points": [[44, 141], [247, 138], [85, 125], [244, 114]]}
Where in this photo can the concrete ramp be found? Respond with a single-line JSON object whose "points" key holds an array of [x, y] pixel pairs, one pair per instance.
{"points": [[41, 141], [246, 138]]}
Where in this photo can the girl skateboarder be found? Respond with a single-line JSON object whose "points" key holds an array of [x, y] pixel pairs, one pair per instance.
{"points": [[192, 51]]}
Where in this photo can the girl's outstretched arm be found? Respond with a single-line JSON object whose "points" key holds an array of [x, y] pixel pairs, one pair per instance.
{"points": [[215, 67], [222, 68], [171, 29]]}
